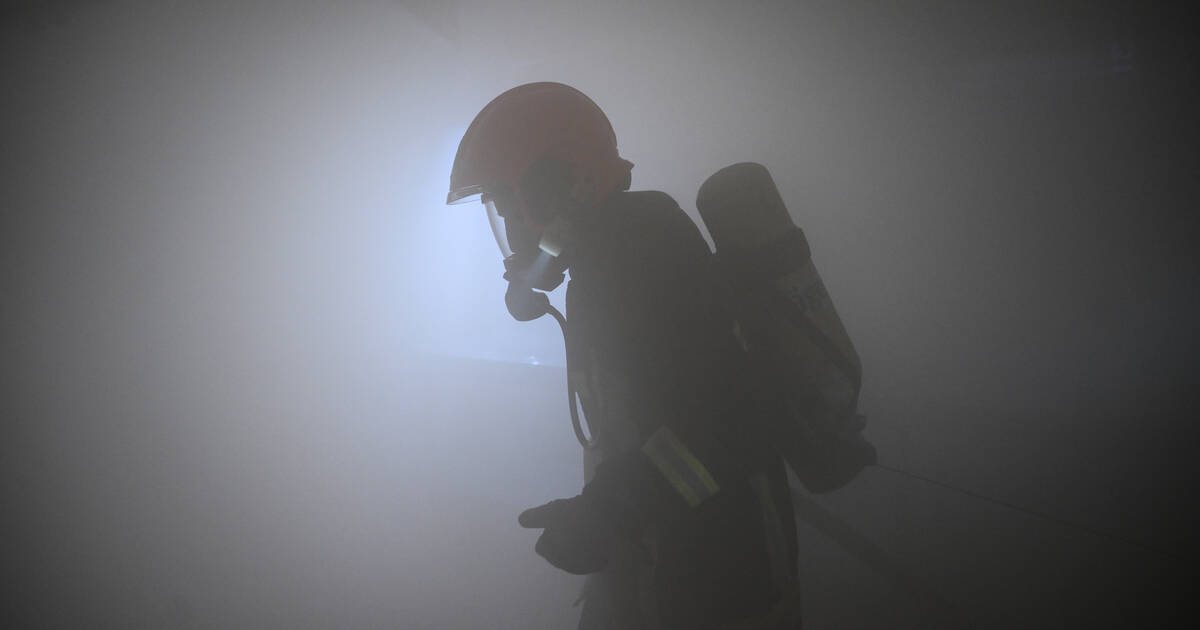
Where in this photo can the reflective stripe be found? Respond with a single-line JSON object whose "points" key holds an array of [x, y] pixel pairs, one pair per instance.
{"points": [[685, 473]]}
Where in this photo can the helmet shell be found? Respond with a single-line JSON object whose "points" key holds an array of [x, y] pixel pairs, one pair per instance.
{"points": [[529, 122]]}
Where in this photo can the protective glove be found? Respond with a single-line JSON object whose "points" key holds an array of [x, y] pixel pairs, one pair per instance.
{"points": [[626, 492], [577, 537]]}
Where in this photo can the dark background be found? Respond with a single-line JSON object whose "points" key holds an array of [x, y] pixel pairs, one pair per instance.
{"points": [[258, 376]]}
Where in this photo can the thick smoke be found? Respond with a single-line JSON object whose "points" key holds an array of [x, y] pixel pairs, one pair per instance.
{"points": [[259, 376]]}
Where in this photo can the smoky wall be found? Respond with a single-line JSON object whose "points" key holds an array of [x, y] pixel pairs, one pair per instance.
{"points": [[257, 375]]}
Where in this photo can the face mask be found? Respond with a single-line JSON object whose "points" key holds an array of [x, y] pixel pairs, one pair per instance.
{"points": [[531, 260]]}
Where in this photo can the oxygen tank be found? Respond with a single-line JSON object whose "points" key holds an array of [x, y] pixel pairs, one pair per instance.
{"points": [[787, 322]]}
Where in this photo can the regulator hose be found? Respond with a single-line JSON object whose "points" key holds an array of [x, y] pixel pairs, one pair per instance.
{"points": [[572, 402]]}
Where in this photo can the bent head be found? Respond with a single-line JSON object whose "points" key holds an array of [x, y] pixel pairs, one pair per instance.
{"points": [[536, 156]]}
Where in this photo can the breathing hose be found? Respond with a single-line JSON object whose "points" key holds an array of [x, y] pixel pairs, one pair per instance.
{"points": [[572, 402]]}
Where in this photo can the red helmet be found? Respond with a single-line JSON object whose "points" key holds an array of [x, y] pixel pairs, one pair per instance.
{"points": [[530, 122]]}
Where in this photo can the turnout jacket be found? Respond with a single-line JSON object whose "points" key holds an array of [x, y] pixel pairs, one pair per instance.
{"points": [[681, 461]]}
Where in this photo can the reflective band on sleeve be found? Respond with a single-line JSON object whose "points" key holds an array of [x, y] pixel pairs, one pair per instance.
{"points": [[685, 473]]}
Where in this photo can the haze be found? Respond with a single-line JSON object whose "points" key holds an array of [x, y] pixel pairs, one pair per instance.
{"points": [[259, 376]]}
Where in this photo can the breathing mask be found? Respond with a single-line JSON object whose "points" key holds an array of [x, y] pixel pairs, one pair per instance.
{"points": [[533, 257]]}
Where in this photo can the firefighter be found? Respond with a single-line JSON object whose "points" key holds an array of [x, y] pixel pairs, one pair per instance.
{"points": [[685, 518]]}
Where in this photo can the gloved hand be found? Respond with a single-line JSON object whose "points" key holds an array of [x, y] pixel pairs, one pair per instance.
{"points": [[577, 536], [580, 532]]}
